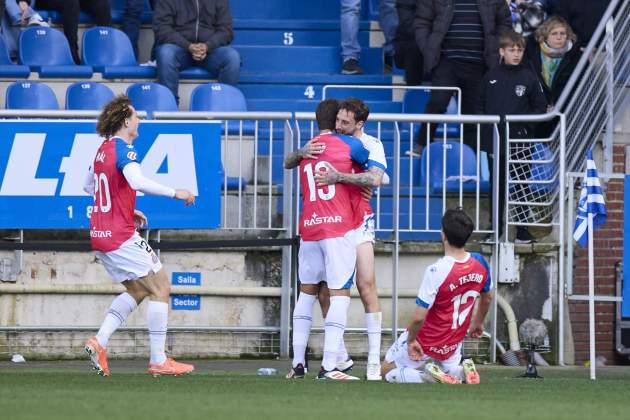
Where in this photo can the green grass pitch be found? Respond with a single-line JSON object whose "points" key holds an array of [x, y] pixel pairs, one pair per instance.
{"points": [[232, 390]]}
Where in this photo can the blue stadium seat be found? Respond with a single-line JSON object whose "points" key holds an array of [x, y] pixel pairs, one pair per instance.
{"points": [[30, 95], [151, 97], [217, 97], [7, 68], [110, 52], [46, 51], [88, 96], [453, 151]]}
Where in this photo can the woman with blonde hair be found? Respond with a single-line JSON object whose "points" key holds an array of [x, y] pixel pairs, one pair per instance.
{"points": [[553, 54]]}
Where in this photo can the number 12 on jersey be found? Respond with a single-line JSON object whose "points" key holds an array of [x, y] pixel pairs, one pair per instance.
{"points": [[310, 177], [460, 311]]}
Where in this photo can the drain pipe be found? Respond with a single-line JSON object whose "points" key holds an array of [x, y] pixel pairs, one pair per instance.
{"points": [[515, 343]]}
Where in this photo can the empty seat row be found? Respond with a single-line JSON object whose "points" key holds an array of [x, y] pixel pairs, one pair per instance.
{"points": [[108, 51], [149, 97]]}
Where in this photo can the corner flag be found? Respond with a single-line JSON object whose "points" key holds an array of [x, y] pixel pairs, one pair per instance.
{"points": [[591, 202]]}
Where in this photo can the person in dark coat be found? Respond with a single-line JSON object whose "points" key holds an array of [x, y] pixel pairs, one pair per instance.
{"points": [[406, 52], [511, 89], [553, 54], [583, 16], [194, 33], [459, 42]]}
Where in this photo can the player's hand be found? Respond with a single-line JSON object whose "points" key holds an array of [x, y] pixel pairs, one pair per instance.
{"points": [[139, 219], [476, 331], [185, 196], [366, 193], [312, 149], [415, 350], [326, 177]]}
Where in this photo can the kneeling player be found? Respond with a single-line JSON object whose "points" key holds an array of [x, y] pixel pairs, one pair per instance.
{"points": [[430, 349]]}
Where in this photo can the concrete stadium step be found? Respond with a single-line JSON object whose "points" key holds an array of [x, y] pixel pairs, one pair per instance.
{"points": [[309, 91], [293, 38], [310, 105], [283, 9], [313, 78], [305, 59], [294, 24]]}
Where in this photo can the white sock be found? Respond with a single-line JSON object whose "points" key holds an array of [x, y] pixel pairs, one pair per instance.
{"points": [[334, 327], [157, 317], [373, 322], [342, 354], [118, 312], [404, 375], [302, 320]]}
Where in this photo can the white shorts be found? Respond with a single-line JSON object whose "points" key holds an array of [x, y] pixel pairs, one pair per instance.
{"points": [[399, 355], [331, 260], [134, 259], [365, 232]]}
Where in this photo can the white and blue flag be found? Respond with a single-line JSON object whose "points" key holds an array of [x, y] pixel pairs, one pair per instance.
{"points": [[591, 202]]}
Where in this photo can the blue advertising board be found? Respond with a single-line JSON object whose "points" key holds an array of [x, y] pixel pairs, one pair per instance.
{"points": [[44, 164]]}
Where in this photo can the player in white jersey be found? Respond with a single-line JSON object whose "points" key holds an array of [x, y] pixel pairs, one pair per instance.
{"points": [[351, 119], [430, 349]]}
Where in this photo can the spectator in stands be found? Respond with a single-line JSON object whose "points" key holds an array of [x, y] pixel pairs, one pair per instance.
{"points": [[350, 48], [21, 13], [582, 16], [17, 14], [458, 43], [407, 55], [194, 36], [553, 55], [511, 89], [99, 10]]}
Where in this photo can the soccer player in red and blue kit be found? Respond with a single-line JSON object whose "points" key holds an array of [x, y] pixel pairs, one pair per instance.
{"points": [[328, 246], [113, 180], [430, 349]]}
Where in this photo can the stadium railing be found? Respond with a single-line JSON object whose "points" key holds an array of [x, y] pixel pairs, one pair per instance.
{"points": [[279, 209], [596, 94]]}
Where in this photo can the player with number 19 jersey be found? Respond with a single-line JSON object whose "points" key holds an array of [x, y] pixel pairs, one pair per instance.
{"points": [[327, 211], [449, 291], [111, 222]]}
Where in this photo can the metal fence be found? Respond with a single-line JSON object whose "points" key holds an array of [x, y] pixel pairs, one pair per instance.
{"points": [[263, 199]]}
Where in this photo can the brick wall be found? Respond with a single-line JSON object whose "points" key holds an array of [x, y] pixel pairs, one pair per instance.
{"points": [[608, 242]]}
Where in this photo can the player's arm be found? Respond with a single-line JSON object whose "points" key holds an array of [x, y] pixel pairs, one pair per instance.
{"points": [[476, 326], [311, 150], [413, 347], [88, 185], [370, 178], [138, 182]]}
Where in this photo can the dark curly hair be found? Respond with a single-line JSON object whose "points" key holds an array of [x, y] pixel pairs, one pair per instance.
{"points": [[113, 116]]}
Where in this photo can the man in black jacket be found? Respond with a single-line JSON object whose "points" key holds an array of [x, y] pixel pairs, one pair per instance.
{"points": [[194, 33], [512, 88], [459, 42]]}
